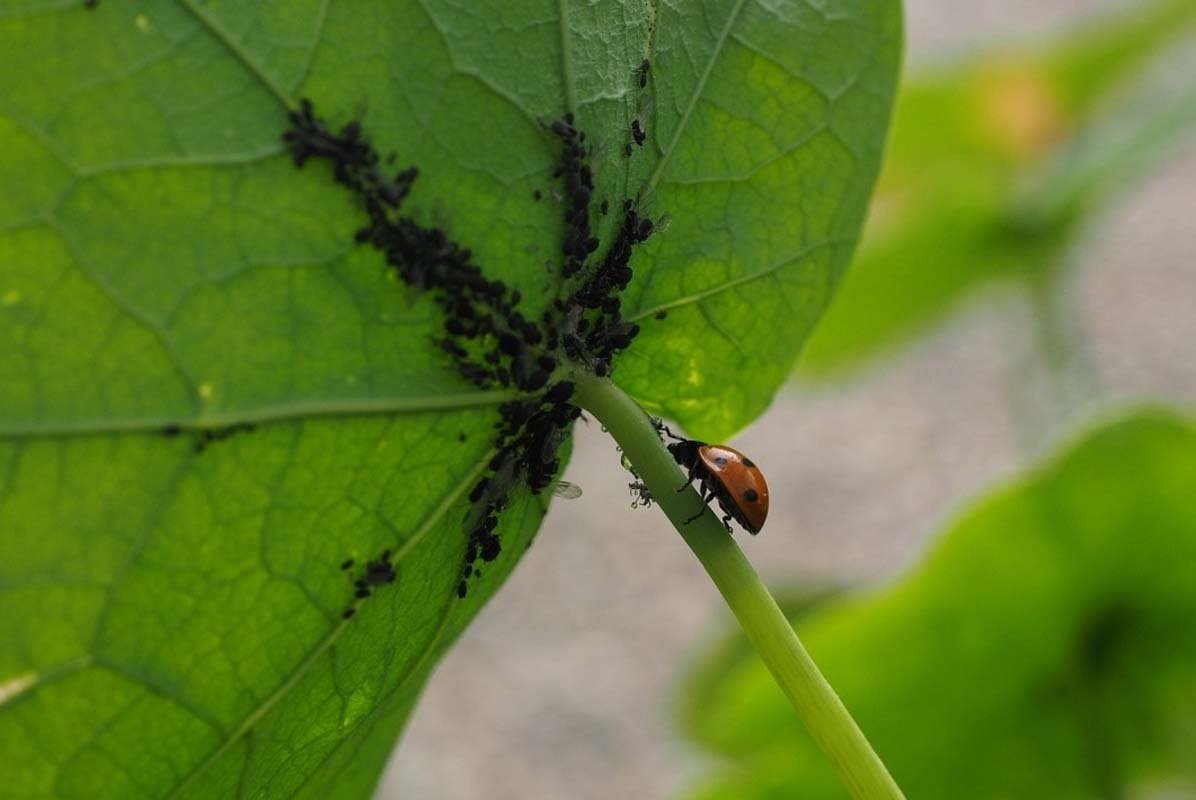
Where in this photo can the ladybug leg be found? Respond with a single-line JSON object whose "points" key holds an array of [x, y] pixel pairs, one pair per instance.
{"points": [[662, 428], [707, 496], [693, 473], [727, 523]]}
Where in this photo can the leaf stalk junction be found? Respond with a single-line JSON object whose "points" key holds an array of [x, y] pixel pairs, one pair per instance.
{"points": [[819, 707]]}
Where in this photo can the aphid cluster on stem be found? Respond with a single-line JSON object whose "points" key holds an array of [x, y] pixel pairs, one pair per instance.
{"points": [[486, 336]]}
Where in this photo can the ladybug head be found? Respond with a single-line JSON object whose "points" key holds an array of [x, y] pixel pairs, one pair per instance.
{"points": [[685, 452]]}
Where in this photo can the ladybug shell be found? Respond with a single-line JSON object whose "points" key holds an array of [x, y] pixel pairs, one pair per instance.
{"points": [[744, 492]]}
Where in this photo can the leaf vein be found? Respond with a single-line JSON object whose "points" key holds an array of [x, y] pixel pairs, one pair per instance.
{"points": [[568, 79], [240, 53], [700, 87], [282, 412], [768, 271], [324, 645]]}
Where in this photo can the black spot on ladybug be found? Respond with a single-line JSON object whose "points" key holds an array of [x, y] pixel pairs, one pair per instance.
{"points": [[747, 462], [721, 461], [750, 495]]}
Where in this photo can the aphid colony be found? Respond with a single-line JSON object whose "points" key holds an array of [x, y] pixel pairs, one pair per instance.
{"points": [[377, 572], [487, 338]]}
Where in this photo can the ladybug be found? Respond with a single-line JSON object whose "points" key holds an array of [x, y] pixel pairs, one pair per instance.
{"points": [[726, 475]]}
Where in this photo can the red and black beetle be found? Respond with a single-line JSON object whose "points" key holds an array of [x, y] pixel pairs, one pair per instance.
{"points": [[726, 475]]}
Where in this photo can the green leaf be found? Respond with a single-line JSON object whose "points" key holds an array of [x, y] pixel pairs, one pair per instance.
{"points": [[764, 165], [170, 579], [999, 165], [1043, 649]]}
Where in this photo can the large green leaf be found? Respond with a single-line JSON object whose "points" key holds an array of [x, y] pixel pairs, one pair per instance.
{"points": [[171, 602], [1044, 649], [999, 166]]}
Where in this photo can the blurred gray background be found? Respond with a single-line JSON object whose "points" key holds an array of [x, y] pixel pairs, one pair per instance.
{"points": [[562, 687]]}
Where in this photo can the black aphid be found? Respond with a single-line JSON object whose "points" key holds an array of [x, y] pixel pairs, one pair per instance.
{"points": [[380, 571], [206, 438], [637, 132]]}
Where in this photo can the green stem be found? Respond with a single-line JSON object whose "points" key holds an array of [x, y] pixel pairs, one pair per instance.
{"points": [[819, 707]]}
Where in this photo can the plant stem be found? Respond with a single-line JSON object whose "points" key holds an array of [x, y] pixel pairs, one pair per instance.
{"points": [[816, 703]]}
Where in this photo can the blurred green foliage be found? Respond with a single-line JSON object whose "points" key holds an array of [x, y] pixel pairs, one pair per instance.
{"points": [[1045, 648], [997, 165]]}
